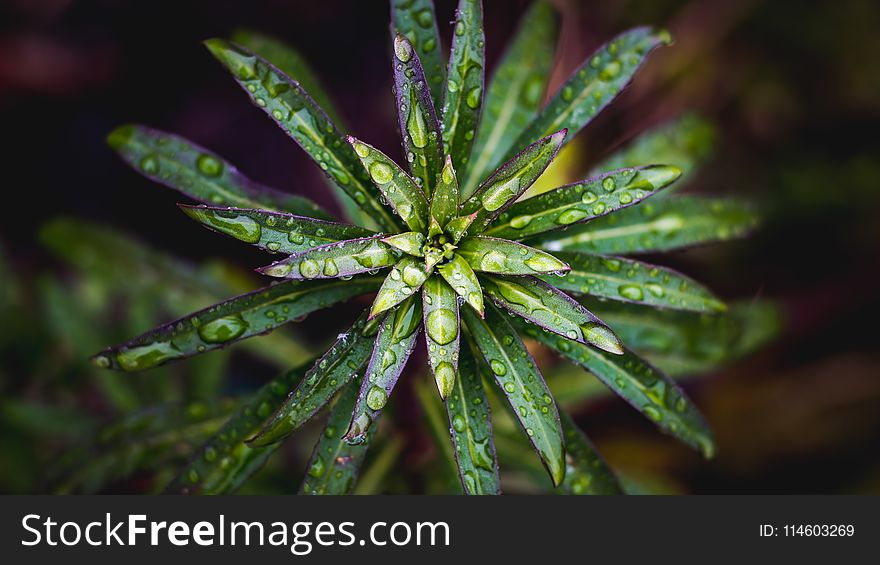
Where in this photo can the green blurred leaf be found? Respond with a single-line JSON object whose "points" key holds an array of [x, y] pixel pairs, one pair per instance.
{"points": [[585, 470], [415, 20]]}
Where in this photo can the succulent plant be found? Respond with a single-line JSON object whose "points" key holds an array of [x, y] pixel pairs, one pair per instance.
{"points": [[452, 251]]}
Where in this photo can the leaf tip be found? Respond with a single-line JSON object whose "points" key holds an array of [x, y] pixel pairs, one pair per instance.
{"points": [[121, 136]]}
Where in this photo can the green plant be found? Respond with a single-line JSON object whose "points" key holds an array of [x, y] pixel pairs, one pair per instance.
{"points": [[448, 245]]}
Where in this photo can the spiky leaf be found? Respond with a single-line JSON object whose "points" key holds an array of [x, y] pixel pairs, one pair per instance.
{"points": [[294, 110], [415, 20], [463, 99], [335, 260], [493, 255], [550, 309], [463, 280], [442, 335], [582, 201], [457, 227], [444, 201], [515, 91], [411, 243], [585, 470], [402, 282], [522, 385]]}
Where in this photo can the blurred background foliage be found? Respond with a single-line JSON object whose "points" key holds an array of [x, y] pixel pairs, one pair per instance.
{"points": [[772, 101]]}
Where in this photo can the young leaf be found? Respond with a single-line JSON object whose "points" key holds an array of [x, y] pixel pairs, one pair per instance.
{"points": [[457, 227], [402, 282], [335, 260], [200, 174], [647, 389], [551, 309], [411, 243], [225, 461], [659, 225], [398, 188], [273, 231], [594, 84], [470, 424], [418, 120], [444, 202], [627, 280], [582, 201], [463, 280], [415, 20], [492, 255], [463, 98], [585, 470], [440, 307], [394, 344], [337, 367], [515, 92], [334, 465], [291, 107], [522, 384], [225, 323], [511, 179]]}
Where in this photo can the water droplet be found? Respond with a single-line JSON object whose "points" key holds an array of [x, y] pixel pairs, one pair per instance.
{"points": [[458, 423], [330, 268], [498, 367], [602, 337], [631, 292], [519, 222], [544, 263], [444, 375], [571, 216], [625, 198], [362, 150], [309, 269], [608, 184], [142, 357], [223, 329], [442, 325], [150, 165], [316, 469], [655, 289], [474, 97], [376, 398], [567, 94], [610, 71], [402, 49], [381, 173]]}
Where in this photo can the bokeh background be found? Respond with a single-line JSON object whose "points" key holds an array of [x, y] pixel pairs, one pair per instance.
{"points": [[788, 94]]}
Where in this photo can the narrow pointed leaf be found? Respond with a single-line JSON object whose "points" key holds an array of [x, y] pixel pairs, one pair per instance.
{"points": [[394, 344], [647, 389], [398, 188], [294, 110], [551, 309], [335, 260], [463, 280], [463, 98], [225, 323], [585, 470], [522, 384], [442, 334], [444, 201], [402, 282], [627, 280], [200, 174], [334, 465], [508, 183], [658, 225], [273, 231], [515, 92], [411, 243], [582, 201], [415, 20], [492, 255], [225, 461], [337, 367], [470, 424], [419, 127], [594, 84], [457, 227]]}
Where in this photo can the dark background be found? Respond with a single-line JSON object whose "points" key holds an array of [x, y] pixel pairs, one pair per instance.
{"points": [[793, 88]]}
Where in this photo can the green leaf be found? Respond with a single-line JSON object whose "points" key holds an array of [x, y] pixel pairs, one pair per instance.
{"points": [[415, 20], [493, 255], [418, 120], [225, 323], [440, 307], [398, 188], [463, 280], [457, 227], [444, 201], [515, 91], [585, 470], [659, 225], [470, 423], [226, 461], [291, 107], [627, 280], [582, 201], [551, 309], [508, 183], [337, 367], [594, 84], [200, 174], [522, 384], [402, 282], [394, 344], [273, 231], [411, 243], [334, 465], [335, 260], [463, 98], [647, 389]]}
